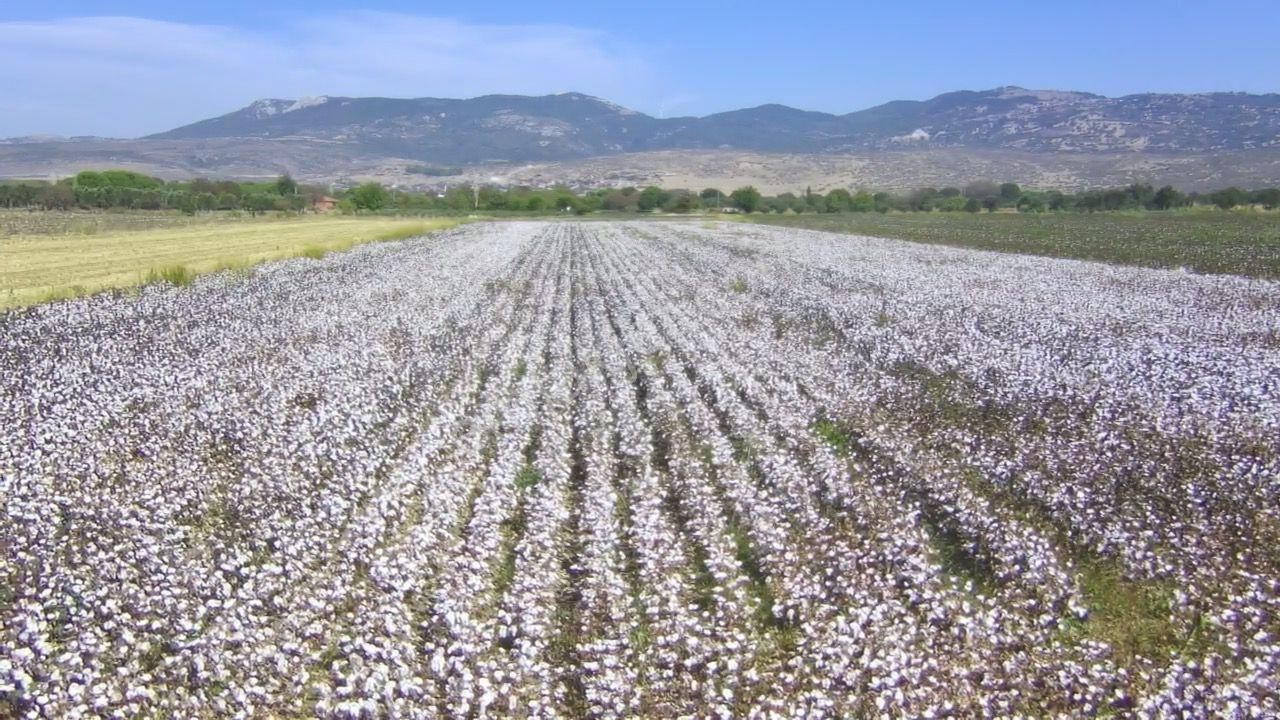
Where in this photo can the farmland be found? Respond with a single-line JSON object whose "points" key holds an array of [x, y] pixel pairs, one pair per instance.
{"points": [[1240, 243], [29, 222], [57, 255], [645, 470]]}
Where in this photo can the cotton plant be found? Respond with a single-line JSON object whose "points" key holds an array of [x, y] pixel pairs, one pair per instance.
{"points": [[644, 470]]}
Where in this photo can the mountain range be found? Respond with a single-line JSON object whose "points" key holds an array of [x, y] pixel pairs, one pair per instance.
{"points": [[557, 127], [337, 138]]}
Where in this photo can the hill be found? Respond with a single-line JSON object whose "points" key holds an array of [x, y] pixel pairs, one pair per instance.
{"points": [[1039, 137], [572, 125]]}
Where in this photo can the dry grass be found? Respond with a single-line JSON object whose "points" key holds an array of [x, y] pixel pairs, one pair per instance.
{"points": [[39, 268], [94, 222]]}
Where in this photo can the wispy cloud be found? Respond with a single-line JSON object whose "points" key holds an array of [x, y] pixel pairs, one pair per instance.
{"points": [[126, 76]]}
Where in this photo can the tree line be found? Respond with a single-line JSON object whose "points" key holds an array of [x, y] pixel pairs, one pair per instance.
{"points": [[125, 190], [985, 196], [975, 197], [122, 189]]}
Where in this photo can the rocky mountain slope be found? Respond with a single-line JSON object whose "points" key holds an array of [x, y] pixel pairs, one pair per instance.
{"points": [[568, 126], [1037, 138]]}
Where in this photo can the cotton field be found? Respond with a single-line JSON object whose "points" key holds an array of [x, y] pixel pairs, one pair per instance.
{"points": [[645, 470]]}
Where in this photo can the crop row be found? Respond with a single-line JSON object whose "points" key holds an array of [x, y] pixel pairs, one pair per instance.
{"points": [[645, 470]]}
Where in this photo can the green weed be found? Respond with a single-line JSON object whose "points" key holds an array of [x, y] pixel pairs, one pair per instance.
{"points": [[527, 477], [176, 275]]}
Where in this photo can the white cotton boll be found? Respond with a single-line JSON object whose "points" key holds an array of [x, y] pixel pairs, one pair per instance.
{"points": [[312, 466]]}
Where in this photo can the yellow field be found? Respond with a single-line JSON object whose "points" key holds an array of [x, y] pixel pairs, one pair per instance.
{"points": [[37, 268]]}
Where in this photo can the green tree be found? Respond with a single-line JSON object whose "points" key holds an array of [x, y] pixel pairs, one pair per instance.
{"points": [[117, 179], [838, 200], [1268, 198], [285, 185], [774, 205], [789, 201], [203, 185], [981, 189], [589, 202], [566, 202], [1031, 202], [460, 198], [187, 203], [536, 203], [1167, 198], [492, 198], [369, 196], [922, 199], [652, 198], [814, 202], [18, 194], [92, 197], [617, 201], [746, 199], [258, 203], [58, 196], [1229, 198], [1010, 192], [682, 201]]}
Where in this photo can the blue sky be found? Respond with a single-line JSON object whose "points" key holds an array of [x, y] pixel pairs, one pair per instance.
{"points": [[129, 68]]}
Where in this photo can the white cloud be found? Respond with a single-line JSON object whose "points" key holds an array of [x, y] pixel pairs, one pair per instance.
{"points": [[124, 76]]}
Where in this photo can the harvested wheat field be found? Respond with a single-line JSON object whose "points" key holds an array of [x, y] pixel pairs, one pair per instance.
{"points": [[645, 470], [40, 265]]}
